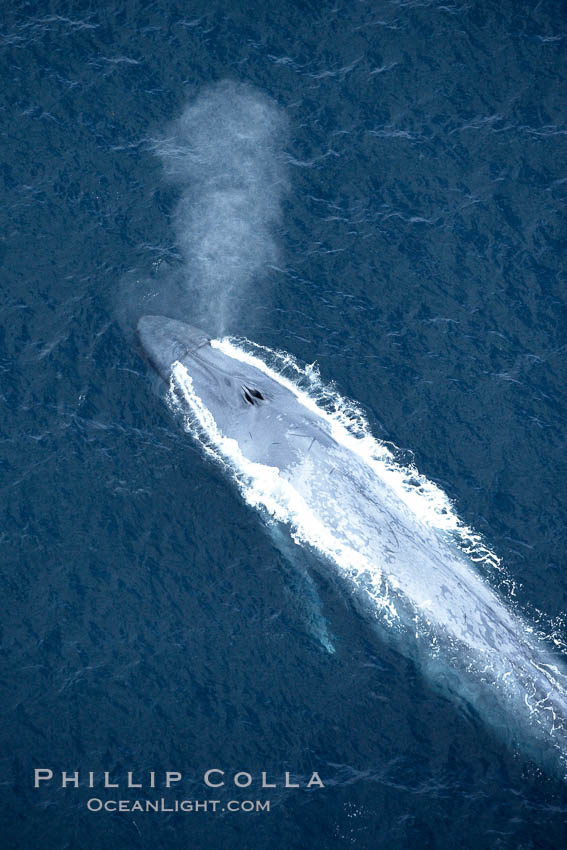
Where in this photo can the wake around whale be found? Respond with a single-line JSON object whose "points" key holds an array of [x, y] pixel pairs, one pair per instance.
{"points": [[401, 545]]}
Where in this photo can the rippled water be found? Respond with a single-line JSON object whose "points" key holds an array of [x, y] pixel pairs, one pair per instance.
{"points": [[390, 204]]}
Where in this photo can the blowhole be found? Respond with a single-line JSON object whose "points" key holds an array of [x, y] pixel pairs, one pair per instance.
{"points": [[252, 396]]}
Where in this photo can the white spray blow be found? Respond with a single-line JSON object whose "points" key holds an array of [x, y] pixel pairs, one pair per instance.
{"points": [[225, 154]]}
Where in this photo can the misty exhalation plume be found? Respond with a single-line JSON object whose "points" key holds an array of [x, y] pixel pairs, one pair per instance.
{"points": [[225, 154]]}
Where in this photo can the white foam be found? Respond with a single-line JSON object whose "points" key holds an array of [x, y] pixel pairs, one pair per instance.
{"points": [[351, 532]]}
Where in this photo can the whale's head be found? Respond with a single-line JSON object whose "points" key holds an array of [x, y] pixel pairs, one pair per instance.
{"points": [[220, 381], [264, 416]]}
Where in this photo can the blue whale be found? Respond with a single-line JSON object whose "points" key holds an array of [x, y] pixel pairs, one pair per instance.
{"points": [[288, 459]]}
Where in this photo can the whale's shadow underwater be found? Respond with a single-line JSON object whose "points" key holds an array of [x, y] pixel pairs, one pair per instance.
{"points": [[291, 458]]}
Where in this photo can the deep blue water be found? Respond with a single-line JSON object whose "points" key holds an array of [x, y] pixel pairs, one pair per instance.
{"points": [[414, 195]]}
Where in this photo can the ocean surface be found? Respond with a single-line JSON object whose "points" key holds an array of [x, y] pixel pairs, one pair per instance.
{"points": [[377, 187]]}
